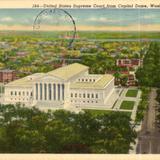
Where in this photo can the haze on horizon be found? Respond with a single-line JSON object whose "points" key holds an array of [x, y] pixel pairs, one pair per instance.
{"points": [[86, 20]]}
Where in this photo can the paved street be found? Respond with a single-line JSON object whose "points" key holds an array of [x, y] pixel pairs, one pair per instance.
{"points": [[149, 136]]}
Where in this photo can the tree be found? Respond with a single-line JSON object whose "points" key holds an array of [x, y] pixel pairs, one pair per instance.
{"points": [[149, 73], [29, 130]]}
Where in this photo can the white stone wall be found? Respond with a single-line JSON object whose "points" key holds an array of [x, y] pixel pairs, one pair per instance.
{"points": [[88, 78], [83, 97], [91, 97], [72, 97], [17, 94]]}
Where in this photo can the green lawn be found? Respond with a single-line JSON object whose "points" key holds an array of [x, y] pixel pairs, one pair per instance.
{"points": [[132, 93], [101, 112], [127, 105]]}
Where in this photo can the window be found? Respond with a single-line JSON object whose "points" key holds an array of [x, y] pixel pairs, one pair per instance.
{"points": [[23, 93], [84, 95], [11, 92], [19, 93], [76, 95], [96, 95], [71, 94], [88, 95], [37, 93], [15, 93], [92, 95], [79, 95]]}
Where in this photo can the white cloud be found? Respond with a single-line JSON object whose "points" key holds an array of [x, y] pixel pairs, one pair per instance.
{"points": [[102, 19], [149, 16], [7, 19]]}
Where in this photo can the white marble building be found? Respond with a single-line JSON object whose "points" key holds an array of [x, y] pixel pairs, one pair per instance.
{"points": [[65, 87]]}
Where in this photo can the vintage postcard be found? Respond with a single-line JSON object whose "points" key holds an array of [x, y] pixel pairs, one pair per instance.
{"points": [[79, 80]]}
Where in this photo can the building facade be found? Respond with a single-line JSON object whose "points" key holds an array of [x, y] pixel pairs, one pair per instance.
{"points": [[7, 75], [68, 86], [130, 63]]}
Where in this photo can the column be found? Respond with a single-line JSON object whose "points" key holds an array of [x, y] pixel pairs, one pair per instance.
{"points": [[42, 91]]}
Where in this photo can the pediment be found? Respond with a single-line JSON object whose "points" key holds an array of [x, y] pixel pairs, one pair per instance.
{"points": [[49, 78]]}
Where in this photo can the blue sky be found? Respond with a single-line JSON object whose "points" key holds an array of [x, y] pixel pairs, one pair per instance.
{"points": [[91, 19]]}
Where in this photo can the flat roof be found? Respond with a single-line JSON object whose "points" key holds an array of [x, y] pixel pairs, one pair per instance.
{"points": [[99, 84], [68, 71], [6, 70], [26, 81], [64, 73]]}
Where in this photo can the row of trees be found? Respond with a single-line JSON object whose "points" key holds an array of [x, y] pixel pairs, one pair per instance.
{"points": [[143, 105], [158, 108], [29, 130], [99, 63], [149, 73]]}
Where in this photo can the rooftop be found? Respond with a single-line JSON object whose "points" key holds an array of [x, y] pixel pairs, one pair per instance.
{"points": [[68, 71], [99, 84], [6, 70], [26, 81], [64, 73]]}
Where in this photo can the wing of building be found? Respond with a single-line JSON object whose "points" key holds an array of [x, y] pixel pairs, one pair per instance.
{"points": [[71, 85]]}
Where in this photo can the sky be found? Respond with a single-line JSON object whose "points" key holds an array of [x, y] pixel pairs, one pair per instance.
{"points": [[86, 19]]}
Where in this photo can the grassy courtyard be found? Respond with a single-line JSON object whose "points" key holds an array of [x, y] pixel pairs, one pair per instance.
{"points": [[102, 112], [127, 105], [132, 93]]}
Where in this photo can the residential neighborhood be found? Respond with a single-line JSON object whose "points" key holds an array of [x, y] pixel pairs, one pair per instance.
{"points": [[99, 81]]}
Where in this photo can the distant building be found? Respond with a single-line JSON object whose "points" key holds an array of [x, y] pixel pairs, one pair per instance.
{"points": [[68, 86], [131, 78], [21, 54], [70, 36], [7, 75], [130, 63]]}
